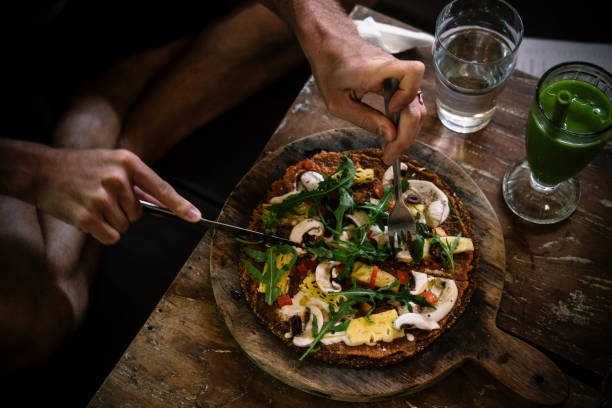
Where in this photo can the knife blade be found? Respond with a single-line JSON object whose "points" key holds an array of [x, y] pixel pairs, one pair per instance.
{"points": [[156, 209]]}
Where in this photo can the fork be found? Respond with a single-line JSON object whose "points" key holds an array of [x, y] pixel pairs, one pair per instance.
{"points": [[401, 226]]}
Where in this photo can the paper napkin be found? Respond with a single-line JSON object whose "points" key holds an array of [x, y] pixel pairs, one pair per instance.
{"points": [[390, 38]]}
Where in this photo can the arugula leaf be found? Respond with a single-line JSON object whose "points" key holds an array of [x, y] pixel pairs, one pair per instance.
{"points": [[244, 241], [258, 256], [271, 274], [417, 251], [448, 250], [254, 271], [345, 202], [454, 213], [315, 325], [405, 183]]}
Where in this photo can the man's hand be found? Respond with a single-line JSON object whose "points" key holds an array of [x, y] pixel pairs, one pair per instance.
{"points": [[97, 190], [345, 74], [347, 67]]}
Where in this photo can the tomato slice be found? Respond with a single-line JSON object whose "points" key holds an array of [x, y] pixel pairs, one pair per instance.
{"points": [[402, 276], [302, 270], [359, 196], [308, 164], [430, 297], [338, 269], [284, 300], [373, 276], [378, 189]]}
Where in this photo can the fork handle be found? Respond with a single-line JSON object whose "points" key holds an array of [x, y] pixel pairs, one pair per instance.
{"points": [[390, 85], [397, 172]]}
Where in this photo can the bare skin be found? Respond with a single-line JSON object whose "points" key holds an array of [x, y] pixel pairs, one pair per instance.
{"points": [[347, 67], [60, 203]]}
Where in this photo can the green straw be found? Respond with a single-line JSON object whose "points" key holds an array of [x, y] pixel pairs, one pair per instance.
{"points": [[562, 104]]}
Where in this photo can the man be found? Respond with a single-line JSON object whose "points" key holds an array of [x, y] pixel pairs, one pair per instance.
{"points": [[59, 203]]}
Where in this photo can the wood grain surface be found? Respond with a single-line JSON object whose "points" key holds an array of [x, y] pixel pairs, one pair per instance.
{"points": [[475, 336], [556, 294]]}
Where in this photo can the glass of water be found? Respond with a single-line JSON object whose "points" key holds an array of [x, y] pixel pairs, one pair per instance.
{"points": [[474, 52]]}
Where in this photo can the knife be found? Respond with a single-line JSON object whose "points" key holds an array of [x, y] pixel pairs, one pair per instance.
{"points": [[156, 209]]}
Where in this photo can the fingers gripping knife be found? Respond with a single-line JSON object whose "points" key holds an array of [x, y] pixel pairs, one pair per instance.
{"points": [[156, 209], [401, 224]]}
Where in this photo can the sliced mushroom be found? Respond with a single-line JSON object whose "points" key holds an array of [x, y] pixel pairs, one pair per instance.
{"points": [[361, 217], [434, 199], [387, 180], [296, 325], [306, 339], [345, 236], [324, 273], [416, 320], [445, 303], [420, 282], [404, 256], [308, 226], [358, 217], [310, 180]]}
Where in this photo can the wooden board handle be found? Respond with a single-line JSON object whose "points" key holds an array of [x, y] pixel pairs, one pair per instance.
{"points": [[523, 368]]}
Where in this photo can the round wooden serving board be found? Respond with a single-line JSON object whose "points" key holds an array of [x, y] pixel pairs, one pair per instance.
{"points": [[474, 336]]}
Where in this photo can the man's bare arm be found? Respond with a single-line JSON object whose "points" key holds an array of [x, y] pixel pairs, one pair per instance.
{"points": [[346, 67], [95, 190]]}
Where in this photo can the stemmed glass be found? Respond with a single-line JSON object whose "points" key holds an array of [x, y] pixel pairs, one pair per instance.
{"points": [[569, 122]]}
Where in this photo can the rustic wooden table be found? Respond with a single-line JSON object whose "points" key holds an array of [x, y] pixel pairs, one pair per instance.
{"points": [[557, 294]]}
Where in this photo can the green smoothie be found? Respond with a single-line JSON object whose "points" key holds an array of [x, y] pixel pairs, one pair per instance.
{"points": [[556, 152]]}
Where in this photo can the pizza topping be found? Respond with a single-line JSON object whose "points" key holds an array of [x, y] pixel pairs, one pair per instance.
{"points": [[372, 276], [363, 176], [430, 297], [296, 325], [358, 217], [281, 198], [387, 180], [308, 164], [314, 324], [414, 320], [404, 256], [372, 329], [412, 198], [379, 190], [310, 226], [420, 282], [447, 296], [325, 273], [284, 300], [434, 199], [402, 276], [310, 180]]}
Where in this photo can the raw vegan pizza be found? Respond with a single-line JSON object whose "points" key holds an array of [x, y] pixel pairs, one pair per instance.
{"points": [[347, 297]]}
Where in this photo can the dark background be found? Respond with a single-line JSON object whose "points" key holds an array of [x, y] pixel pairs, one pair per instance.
{"points": [[135, 273]]}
